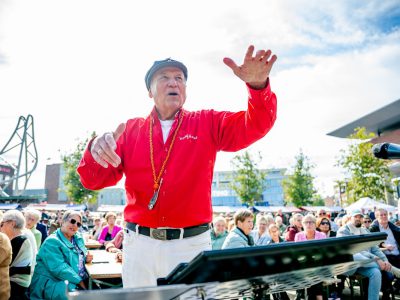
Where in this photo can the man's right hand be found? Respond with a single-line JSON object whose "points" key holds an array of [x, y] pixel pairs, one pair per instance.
{"points": [[103, 147]]}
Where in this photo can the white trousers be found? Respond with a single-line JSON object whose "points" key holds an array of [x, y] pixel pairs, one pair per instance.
{"points": [[145, 259]]}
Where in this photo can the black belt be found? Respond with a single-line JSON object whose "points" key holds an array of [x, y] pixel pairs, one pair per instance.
{"points": [[169, 233]]}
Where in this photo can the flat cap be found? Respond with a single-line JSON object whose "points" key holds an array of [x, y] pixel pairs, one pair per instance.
{"points": [[159, 64]]}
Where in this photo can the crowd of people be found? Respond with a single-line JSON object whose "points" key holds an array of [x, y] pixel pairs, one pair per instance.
{"points": [[40, 251], [233, 231], [36, 266]]}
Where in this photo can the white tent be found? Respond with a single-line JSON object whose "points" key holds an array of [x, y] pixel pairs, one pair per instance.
{"points": [[368, 203]]}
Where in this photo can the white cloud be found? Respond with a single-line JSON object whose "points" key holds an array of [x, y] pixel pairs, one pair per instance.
{"points": [[79, 66]]}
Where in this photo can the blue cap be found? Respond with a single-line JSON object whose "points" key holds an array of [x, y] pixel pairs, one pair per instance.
{"points": [[159, 64]]}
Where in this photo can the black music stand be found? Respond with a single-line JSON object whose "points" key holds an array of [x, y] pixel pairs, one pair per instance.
{"points": [[252, 272]]}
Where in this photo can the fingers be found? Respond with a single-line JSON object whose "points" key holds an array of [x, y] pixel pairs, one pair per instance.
{"points": [[119, 131], [103, 148], [231, 64]]}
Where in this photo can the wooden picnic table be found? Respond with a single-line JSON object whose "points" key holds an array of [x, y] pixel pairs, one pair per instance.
{"points": [[103, 266], [92, 244]]}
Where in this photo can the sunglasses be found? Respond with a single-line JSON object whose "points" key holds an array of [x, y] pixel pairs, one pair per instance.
{"points": [[324, 223], [368, 221], [73, 222]]}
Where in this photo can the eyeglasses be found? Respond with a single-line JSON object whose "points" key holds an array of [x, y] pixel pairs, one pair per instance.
{"points": [[73, 222], [309, 222], [322, 213], [367, 221], [324, 223]]}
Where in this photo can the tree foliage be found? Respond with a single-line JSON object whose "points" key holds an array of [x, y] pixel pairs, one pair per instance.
{"points": [[248, 180], [368, 175], [73, 186], [298, 186]]}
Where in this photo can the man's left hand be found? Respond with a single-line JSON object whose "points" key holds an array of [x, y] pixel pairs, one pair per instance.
{"points": [[255, 69]]}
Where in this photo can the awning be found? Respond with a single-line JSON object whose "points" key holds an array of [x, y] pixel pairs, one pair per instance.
{"points": [[273, 209], [114, 208], [225, 209], [8, 206], [326, 208], [55, 207]]}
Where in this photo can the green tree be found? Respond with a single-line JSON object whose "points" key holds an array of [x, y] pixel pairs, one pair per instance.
{"points": [[298, 187], [73, 186], [248, 180], [368, 175]]}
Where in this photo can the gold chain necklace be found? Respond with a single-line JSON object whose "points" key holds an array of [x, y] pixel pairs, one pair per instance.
{"points": [[157, 179]]}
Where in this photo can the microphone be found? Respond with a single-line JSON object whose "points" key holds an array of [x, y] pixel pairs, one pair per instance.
{"points": [[386, 151]]}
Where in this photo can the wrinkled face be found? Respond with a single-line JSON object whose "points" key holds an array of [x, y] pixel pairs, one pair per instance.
{"points": [[382, 217], [246, 226], [30, 221], [7, 227], [356, 220], [262, 226], [111, 220], [71, 226], [309, 225], [219, 227], [168, 90]]}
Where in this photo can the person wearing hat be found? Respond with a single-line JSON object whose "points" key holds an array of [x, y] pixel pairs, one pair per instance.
{"points": [[373, 269], [168, 159]]}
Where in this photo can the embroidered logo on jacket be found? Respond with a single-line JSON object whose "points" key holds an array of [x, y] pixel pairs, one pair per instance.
{"points": [[187, 137]]}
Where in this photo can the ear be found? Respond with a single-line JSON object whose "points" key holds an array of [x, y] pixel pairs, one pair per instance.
{"points": [[150, 94]]}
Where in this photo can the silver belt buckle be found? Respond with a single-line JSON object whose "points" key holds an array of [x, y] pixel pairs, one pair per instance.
{"points": [[158, 234]]}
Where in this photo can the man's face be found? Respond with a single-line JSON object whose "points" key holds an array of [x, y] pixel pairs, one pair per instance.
{"points": [[168, 89], [356, 220], [30, 221], [382, 217]]}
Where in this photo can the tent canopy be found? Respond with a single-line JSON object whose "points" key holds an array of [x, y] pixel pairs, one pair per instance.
{"points": [[273, 209], [114, 208], [326, 208], [368, 203], [55, 207], [225, 209], [8, 206]]}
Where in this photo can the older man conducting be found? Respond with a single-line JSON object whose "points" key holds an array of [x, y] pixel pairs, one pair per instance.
{"points": [[168, 159]]}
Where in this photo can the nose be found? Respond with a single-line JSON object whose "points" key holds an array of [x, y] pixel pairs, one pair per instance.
{"points": [[172, 82]]}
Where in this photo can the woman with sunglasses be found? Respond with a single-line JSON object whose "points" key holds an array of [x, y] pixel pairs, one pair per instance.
{"points": [[62, 257], [324, 225]]}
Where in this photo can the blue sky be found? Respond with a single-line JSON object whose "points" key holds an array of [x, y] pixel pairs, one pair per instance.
{"points": [[79, 66]]}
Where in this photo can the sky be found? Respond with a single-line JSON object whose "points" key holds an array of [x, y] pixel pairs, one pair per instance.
{"points": [[79, 66]]}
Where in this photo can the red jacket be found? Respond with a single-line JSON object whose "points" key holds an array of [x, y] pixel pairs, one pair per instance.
{"points": [[185, 195]]}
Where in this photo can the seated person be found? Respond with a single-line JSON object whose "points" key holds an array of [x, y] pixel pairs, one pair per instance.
{"points": [[240, 235], [391, 245], [62, 257], [12, 225], [5, 261], [373, 269], [218, 233], [260, 234], [110, 230]]}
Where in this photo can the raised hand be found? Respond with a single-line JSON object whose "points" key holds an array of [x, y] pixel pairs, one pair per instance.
{"points": [[103, 147], [255, 69]]}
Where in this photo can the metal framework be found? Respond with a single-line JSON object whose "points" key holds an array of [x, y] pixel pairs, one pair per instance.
{"points": [[20, 154]]}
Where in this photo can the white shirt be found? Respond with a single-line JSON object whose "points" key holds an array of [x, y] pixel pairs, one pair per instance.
{"points": [[166, 128]]}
